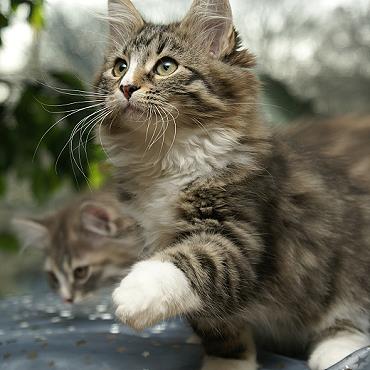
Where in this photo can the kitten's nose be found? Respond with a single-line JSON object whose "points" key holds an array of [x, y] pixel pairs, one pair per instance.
{"points": [[128, 90], [68, 300]]}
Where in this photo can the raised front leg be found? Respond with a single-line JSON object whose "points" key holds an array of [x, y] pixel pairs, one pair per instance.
{"points": [[336, 342], [228, 346], [154, 291], [204, 273]]}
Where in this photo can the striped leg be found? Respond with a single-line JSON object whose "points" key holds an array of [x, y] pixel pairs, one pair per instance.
{"points": [[203, 273], [227, 347]]}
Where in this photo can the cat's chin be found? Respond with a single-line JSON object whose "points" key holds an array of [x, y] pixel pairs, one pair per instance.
{"points": [[132, 110]]}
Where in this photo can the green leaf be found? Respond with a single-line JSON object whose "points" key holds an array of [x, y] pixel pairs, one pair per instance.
{"points": [[8, 242], [36, 17], [4, 22], [2, 185], [96, 176]]}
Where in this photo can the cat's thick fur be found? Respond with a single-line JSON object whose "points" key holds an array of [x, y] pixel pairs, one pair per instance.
{"points": [[88, 244], [345, 139], [245, 235]]}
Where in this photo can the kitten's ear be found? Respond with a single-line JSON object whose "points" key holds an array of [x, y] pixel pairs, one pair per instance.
{"points": [[103, 220], [210, 21], [31, 232], [123, 17]]}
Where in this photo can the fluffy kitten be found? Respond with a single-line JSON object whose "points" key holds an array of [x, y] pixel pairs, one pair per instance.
{"points": [[245, 235], [88, 244]]}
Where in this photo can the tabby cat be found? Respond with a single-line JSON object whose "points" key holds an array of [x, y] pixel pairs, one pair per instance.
{"points": [[88, 244], [246, 236]]}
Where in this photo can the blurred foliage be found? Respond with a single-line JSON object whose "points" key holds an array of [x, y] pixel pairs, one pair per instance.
{"points": [[282, 104], [35, 137], [38, 121], [9, 242], [35, 13]]}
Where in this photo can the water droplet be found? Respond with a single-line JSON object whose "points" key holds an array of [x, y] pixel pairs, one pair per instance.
{"points": [[101, 308], [24, 325], [65, 313], [27, 300], [106, 316], [50, 309], [92, 317], [114, 329], [55, 319], [71, 329], [145, 354], [158, 329], [32, 355]]}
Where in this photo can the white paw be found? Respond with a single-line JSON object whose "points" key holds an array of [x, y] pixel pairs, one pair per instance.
{"points": [[217, 363], [151, 292], [335, 349]]}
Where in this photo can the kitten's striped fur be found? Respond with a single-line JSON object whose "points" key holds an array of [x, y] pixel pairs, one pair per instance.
{"points": [[244, 235]]}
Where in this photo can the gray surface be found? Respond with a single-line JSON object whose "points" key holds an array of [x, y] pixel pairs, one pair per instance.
{"points": [[39, 333]]}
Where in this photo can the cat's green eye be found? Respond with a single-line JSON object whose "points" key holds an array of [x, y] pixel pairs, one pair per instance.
{"points": [[81, 273], [120, 68], [165, 67]]}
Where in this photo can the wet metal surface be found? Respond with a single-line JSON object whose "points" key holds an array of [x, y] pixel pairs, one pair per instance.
{"points": [[41, 333]]}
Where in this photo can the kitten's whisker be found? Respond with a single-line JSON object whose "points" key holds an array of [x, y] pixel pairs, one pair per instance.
{"points": [[154, 132], [201, 125], [70, 110], [165, 130], [90, 124], [175, 132], [101, 118], [80, 93], [68, 104], [161, 132], [75, 129], [56, 123], [72, 91], [100, 139]]}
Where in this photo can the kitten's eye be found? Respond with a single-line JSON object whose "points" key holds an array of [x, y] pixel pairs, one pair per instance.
{"points": [[165, 67], [53, 280], [120, 68], [80, 273]]}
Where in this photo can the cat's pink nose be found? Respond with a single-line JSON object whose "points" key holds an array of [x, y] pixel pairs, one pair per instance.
{"points": [[128, 90], [68, 300]]}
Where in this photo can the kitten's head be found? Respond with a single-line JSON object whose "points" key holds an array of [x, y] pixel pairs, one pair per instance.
{"points": [[192, 73], [88, 244]]}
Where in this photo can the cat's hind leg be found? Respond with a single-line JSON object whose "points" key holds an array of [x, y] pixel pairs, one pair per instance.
{"points": [[335, 343], [227, 348]]}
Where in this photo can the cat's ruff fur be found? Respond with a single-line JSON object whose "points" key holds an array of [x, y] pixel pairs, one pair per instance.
{"points": [[260, 238]]}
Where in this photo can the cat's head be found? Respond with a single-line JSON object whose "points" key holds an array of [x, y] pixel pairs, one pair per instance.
{"points": [[88, 244], [191, 74]]}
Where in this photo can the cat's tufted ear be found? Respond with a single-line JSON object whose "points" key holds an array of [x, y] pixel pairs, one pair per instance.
{"points": [[103, 220], [31, 232], [124, 19], [210, 22]]}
